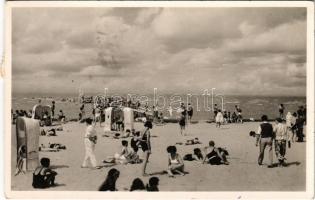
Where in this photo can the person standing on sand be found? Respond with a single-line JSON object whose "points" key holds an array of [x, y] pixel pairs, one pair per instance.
{"points": [[170, 110], [190, 112], [89, 142], [219, 119], [215, 111], [281, 111], [281, 137], [53, 110], [146, 144], [265, 137]]}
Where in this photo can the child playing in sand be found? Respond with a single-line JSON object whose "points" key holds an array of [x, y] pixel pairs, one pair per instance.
{"points": [[43, 176], [175, 162], [21, 162], [215, 156]]}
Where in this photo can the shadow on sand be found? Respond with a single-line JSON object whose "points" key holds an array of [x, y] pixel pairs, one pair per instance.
{"points": [[58, 166]]}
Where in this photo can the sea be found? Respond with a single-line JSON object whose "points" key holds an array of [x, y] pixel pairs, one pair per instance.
{"points": [[252, 106]]}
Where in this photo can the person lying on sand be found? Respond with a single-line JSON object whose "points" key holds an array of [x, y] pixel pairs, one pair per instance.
{"points": [[197, 155], [215, 156], [175, 162], [52, 147], [50, 132], [193, 141]]}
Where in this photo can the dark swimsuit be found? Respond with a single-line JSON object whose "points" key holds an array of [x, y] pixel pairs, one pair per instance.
{"points": [[144, 144], [213, 158], [39, 180]]}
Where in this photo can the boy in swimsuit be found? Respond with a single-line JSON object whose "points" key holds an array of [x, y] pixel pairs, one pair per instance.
{"points": [[43, 176]]}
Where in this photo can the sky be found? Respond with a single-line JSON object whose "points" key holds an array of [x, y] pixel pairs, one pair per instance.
{"points": [[239, 51]]}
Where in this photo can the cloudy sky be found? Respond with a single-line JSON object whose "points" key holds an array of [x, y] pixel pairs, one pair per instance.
{"points": [[246, 51]]}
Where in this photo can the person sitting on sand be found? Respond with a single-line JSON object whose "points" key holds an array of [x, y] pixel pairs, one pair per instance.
{"points": [[61, 116], [43, 176], [110, 182], [125, 156], [215, 156], [219, 119], [175, 162], [193, 141], [137, 185], [135, 141], [126, 134], [152, 186], [21, 161]]}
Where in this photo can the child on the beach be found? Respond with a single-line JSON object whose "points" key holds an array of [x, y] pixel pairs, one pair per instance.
{"points": [[21, 162], [135, 140], [215, 156], [43, 176], [175, 162]]}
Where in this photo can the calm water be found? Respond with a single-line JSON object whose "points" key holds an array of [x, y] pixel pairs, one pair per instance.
{"points": [[252, 106]]}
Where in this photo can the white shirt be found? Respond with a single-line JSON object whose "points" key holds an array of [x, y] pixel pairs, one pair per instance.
{"points": [[281, 131], [90, 131]]}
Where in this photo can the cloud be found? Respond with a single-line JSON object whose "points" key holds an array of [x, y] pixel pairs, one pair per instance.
{"points": [[236, 50]]}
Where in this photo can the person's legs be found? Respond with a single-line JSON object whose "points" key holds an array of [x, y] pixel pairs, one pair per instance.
{"points": [[262, 147], [278, 149], [145, 162], [87, 156], [269, 145], [50, 179]]}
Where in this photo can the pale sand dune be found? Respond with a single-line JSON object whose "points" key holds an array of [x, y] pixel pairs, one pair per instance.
{"points": [[243, 173]]}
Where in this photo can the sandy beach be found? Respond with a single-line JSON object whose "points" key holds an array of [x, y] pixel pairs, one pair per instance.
{"points": [[243, 173]]}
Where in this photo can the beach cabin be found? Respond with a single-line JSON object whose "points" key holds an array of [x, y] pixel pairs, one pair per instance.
{"points": [[27, 134], [112, 115], [39, 112]]}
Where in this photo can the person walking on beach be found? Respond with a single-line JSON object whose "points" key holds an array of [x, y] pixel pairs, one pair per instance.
{"points": [[146, 145], [281, 111], [89, 142], [281, 137], [190, 112], [264, 139], [219, 119]]}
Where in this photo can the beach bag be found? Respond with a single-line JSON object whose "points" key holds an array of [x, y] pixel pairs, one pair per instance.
{"points": [[188, 157]]}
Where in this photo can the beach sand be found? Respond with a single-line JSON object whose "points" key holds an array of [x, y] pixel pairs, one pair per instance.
{"points": [[243, 173]]}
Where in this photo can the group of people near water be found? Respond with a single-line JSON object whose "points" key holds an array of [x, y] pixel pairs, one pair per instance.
{"points": [[224, 117], [282, 134]]}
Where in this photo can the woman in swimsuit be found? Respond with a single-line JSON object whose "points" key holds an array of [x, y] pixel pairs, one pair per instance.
{"points": [[146, 145], [175, 162]]}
